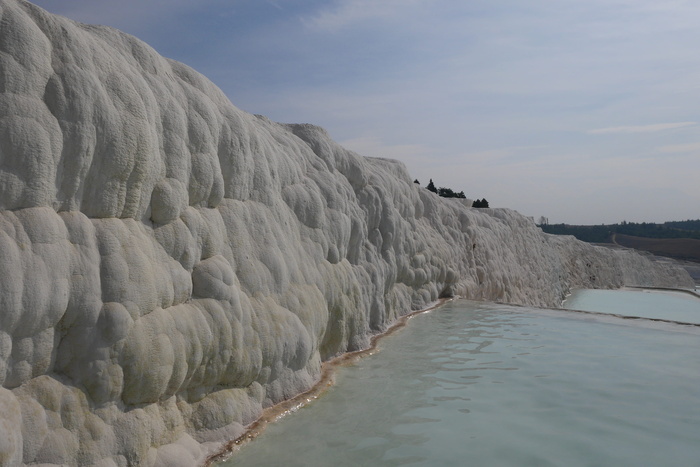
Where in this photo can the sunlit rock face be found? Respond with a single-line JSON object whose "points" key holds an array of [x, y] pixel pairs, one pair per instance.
{"points": [[170, 265]]}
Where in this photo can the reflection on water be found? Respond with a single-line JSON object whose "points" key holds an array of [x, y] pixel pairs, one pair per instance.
{"points": [[483, 384]]}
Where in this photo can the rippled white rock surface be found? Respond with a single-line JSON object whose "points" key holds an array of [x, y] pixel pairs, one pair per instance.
{"points": [[170, 265]]}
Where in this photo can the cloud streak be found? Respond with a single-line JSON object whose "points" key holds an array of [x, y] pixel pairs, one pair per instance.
{"points": [[641, 128], [346, 13], [680, 148]]}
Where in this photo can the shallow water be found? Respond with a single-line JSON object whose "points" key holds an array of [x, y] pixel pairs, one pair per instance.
{"points": [[489, 385], [656, 304]]}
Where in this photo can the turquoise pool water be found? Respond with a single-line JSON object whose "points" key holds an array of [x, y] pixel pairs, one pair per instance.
{"points": [[654, 304], [478, 384]]}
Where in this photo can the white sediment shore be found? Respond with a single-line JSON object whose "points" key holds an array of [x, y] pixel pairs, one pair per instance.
{"points": [[171, 265]]}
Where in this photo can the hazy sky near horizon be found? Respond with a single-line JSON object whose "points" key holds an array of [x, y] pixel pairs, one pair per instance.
{"points": [[583, 111]]}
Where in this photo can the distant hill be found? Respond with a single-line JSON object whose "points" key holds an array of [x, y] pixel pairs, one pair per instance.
{"points": [[679, 248], [603, 233], [678, 239]]}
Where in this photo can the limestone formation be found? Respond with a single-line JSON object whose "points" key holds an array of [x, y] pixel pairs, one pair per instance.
{"points": [[170, 265]]}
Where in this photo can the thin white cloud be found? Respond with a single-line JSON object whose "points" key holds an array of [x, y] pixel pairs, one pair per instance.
{"points": [[641, 128], [275, 4], [347, 12], [675, 148]]}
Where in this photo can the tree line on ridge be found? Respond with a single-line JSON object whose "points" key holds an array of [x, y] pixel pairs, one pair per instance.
{"points": [[450, 193]]}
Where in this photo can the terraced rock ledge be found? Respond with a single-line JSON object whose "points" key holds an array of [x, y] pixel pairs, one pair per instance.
{"points": [[171, 265]]}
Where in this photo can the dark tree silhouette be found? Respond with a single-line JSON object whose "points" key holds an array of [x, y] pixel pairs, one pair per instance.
{"points": [[450, 193], [416, 182], [480, 203], [444, 192]]}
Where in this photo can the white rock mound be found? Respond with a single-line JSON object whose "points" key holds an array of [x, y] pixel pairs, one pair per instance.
{"points": [[170, 265]]}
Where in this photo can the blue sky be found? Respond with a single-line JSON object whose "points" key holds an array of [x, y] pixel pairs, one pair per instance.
{"points": [[583, 111]]}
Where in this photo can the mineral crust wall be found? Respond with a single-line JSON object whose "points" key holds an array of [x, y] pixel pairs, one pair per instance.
{"points": [[171, 265]]}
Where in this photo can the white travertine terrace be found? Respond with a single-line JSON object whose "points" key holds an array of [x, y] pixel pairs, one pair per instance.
{"points": [[170, 265]]}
